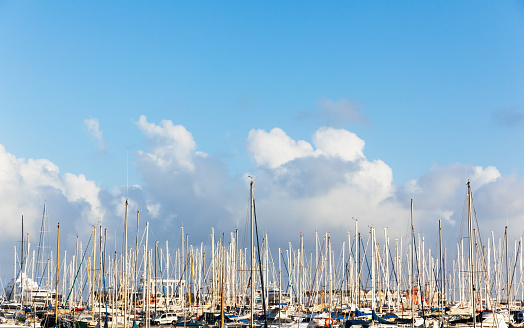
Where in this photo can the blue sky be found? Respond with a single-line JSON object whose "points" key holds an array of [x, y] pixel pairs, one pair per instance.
{"points": [[434, 90]]}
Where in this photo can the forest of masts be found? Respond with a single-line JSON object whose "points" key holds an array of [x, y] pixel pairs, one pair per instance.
{"points": [[187, 276], [365, 271]]}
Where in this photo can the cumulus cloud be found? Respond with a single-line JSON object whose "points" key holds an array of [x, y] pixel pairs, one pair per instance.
{"points": [[338, 143], [500, 202], [323, 188], [23, 180], [74, 201], [172, 145], [275, 148], [441, 186], [301, 186], [186, 186], [93, 129], [25, 184], [323, 185], [441, 193]]}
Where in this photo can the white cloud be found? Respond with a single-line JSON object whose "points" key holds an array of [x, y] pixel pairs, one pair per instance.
{"points": [[444, 185], [93, 129], [338, 143], [173, 145], [441, 193], [300, 186], [183, 185], [480, 176], [275, 148], [72, 200], [374, 179], [77, 188], [322, 188]]}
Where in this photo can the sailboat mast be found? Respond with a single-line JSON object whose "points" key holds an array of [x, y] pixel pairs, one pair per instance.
{"points": [[359, 271], [252, 300], [22, 256], [57, 273], [471, 260], [441, 270], [223, 255], [412, 266], [93, 275], [101, 284], [373, 291], [124, 273], [507, 266], [135, 294], [357, 258]]}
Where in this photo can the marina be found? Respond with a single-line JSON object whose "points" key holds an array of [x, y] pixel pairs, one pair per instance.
{"points": [[365, 282]]}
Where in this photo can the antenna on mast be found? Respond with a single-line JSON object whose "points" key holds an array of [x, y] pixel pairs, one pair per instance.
{"points": [[127, 175]]}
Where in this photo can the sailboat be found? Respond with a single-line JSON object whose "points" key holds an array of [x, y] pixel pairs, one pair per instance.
{"points": [[485, 318], [23, 292]]}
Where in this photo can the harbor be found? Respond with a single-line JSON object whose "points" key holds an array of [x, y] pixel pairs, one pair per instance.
{"points": [[366, 281]]}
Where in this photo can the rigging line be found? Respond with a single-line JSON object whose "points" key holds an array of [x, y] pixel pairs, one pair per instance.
{"points": [[141, 240], [287, 271], [21, 262], [161, 276], [260, 266], [78, 270], [514, 267], [382, 264], [316, 271], [105, 290], [271, 261], [343, 269], [435, 273], [42, 277], [395, 273], [41, 241], [352, 249], [393, 266], [367, 263], [464, 215], [478, 236], [418, 275], [181, 276], [84, 287]]}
